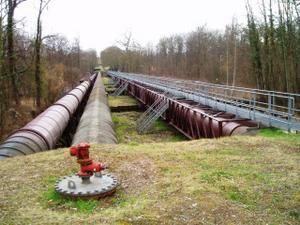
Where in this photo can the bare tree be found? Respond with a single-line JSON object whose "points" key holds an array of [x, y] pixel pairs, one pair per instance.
{"points": [[235, 33], [126, 41], [38, 43], [12, 5]]}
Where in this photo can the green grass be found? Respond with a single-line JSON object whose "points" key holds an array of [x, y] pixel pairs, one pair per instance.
{"points": [[106, 80], [122, 100], [160, 125], [278, 134], [51, 199], [125, 127]]}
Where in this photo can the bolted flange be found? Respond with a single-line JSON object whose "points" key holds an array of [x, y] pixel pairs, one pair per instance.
{"points": [[99, 185]]}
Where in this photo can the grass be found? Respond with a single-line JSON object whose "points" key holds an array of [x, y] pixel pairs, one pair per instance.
{"points": [[122, 100], [125, 127], [107, 80], [237, 180], [51, 199], [275, 133]]}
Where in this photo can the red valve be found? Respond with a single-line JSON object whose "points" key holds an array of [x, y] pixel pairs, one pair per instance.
{"points": [[87, 166]]}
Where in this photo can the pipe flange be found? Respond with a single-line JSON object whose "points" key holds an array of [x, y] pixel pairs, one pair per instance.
{"points": [[99, 185]]}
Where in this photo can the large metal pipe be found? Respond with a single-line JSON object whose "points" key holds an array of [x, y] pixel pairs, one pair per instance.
{"points": [[191, 118], [44, 131], [95, 125]]}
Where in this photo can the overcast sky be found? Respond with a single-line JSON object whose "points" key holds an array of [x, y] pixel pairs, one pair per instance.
{"points": [[100, 23]]}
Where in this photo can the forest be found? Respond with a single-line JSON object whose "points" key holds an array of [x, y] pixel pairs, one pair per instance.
{"points": [[264, 53], [35, 69]]}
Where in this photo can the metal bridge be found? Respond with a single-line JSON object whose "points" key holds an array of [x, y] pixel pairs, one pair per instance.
{"points": [[267, 108]]}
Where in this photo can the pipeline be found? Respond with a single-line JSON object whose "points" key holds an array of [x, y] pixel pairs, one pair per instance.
{"points": [[192, 119], [95, 125], [43, 132]]}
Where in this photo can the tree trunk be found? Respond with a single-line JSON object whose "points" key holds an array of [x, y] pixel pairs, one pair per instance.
{"points": [[234, 61], [10, 51], [37, 71], [272, 49], [282, 37], [227, 61], [255, 48], [38, 44]]}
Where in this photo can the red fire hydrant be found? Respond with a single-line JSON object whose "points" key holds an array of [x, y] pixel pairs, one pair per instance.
{"points": [[87, 166], [89, 182]]}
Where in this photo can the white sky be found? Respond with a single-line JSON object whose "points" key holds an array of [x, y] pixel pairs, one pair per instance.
{"points": [[100, 23]]}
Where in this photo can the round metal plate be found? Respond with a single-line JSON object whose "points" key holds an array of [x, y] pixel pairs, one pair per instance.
{"points": [[99, 186]]}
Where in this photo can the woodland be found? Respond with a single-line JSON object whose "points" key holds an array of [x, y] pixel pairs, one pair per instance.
{"points": [[35, 70]]}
